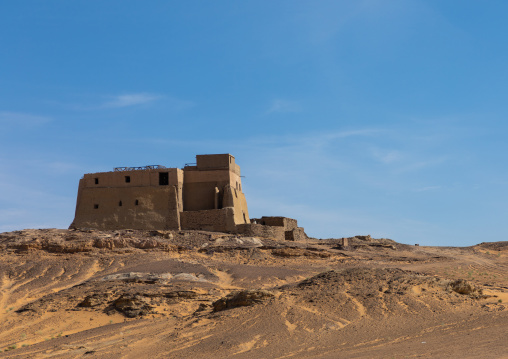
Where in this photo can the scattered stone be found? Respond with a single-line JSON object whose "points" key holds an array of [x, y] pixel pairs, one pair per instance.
{"points": [[94, 300], [241, 299], [462, 286], [298, 252], [132, 305]]}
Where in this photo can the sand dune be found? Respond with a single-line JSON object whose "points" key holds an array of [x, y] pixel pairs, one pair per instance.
{"points": [[137, 294]]}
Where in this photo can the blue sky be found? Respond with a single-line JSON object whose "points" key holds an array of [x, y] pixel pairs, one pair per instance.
{"points": [[355, 117]]}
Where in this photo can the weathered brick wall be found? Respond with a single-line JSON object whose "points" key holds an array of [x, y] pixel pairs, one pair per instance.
{"points": [[122, 207], [287, 223], [235, 198], [259, 230], [290, 224], [216, 220], [296, 234]]}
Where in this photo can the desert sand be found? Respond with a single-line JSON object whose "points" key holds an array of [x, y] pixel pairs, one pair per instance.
{"points": [[196, 294]]}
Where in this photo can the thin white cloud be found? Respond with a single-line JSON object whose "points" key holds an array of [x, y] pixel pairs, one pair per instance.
{"points": [[284, 106], [38, 163], [313, 140], [20, 119], [128, 100]]}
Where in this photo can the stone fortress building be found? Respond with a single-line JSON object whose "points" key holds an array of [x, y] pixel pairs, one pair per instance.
{"points": [[206, 195]]}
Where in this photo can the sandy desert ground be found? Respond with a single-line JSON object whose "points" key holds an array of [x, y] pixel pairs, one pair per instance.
{"points": [[195, 294]]}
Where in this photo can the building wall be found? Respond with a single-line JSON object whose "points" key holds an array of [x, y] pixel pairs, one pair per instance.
{"points": [[199, 188], [127, 207], [200, 184], [137, 178], [219, 161], [236, 199], [217, 220]]}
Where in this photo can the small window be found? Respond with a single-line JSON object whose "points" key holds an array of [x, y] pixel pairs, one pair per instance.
{"points": [[96, 180], [136, 203], [95, 206], [163, 178], [127, 179], [120, 203]]}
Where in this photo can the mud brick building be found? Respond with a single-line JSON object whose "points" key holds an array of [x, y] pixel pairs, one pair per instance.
{"points": [[206, 195]]}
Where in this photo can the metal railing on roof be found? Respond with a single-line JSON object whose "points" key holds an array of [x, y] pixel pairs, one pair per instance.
{"points": [[142, 168]]}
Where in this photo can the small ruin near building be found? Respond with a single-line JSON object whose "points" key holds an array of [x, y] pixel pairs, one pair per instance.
{"points": [[206, 196], [275, 227]]}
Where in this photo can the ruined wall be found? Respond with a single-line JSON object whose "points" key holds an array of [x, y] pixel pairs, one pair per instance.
{"points": [[287, 226], [296, 234], [259, 230], [216, 220], [127, 207], [288, 223]]}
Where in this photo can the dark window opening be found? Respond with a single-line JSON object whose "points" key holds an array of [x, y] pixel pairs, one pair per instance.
{"points": [[136, 203], [163, 178], [95, 206], [120, 203], [127, 179], [96, 181]]}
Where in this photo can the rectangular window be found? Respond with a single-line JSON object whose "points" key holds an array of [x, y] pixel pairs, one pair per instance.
{"points": [[95, 206], [127, 179], [136, 203], [96, 180], [163, 178]]}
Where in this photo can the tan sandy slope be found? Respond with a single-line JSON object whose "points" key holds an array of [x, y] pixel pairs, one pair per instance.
{"points": [[194, 294]]}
